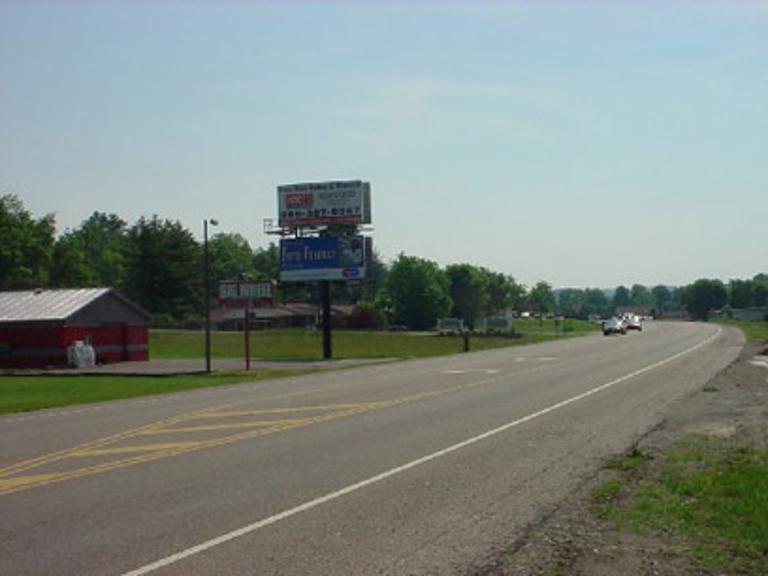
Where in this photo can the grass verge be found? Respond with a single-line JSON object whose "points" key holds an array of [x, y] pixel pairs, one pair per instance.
{"points": [[25, 393], [710, 493], [753, 330]]}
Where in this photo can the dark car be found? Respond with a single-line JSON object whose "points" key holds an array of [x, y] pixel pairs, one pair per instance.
{"points": [[614, 326]]}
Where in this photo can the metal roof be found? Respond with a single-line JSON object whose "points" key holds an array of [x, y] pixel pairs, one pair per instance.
{"points": [[46, 305]]}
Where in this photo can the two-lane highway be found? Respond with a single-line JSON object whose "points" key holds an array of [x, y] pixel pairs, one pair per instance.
{"points": [[418, 467]]}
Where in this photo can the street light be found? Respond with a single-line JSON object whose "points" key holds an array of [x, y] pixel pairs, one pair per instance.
{"points": [[206, 293]]}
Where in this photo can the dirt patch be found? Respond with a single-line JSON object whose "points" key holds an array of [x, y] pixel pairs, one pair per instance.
{"points": [[574, 541]]}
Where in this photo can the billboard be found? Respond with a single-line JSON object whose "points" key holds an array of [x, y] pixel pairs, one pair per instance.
{"points": [[324, 203], [313, 259]]}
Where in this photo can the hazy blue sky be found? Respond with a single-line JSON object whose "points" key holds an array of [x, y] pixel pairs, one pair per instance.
{"points": [[581, 143]]}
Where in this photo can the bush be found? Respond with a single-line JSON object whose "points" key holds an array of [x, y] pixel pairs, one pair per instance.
{"points": [[191, 322], [366, 317]]}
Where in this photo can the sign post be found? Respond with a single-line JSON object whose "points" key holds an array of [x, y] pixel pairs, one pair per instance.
{"points": [[244, 294]]}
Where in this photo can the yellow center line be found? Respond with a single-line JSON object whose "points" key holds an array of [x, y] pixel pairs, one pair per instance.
{"points": [[63, 454], [210, 427], [161, 446], [265, 411], [11, 480]]}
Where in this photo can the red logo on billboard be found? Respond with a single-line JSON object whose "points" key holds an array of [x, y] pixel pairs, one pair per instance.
{"points": [[297, 201]]}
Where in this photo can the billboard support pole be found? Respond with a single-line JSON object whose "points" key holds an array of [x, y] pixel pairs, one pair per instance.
{"points": [[325, 295]]}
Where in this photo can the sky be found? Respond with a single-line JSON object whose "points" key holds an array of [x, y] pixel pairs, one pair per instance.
{"points": [[581, 143]]}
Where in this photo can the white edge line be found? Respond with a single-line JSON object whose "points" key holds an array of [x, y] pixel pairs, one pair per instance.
{"points": [[173, 558]]}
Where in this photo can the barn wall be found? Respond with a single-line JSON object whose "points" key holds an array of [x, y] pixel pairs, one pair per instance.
{"points": [[31, 346], [37, 346]]}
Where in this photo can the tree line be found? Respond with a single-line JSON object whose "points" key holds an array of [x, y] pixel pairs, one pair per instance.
{"points": [[158, 263]]}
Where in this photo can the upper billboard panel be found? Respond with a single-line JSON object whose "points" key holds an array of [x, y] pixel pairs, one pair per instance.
{"points": [[324, 203]]}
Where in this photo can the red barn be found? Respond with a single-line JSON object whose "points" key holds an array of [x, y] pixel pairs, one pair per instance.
{"points": [[37, 326]]}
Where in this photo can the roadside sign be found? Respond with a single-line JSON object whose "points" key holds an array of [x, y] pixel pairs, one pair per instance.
{"points": [[246, 294], [324, 203], [314, 259]]}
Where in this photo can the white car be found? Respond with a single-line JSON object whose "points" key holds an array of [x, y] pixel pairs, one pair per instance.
{"points": [[633, 322]]}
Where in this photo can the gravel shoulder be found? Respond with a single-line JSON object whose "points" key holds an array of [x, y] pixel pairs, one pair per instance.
{"points": [[572, 541]]}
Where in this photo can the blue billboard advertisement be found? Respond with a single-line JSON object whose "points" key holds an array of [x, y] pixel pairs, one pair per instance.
{"points": [[312, 259]]}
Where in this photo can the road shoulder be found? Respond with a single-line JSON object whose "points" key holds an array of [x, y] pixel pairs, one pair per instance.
{"points": [[573, 540]]}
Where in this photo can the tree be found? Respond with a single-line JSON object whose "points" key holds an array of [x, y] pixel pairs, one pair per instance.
{"points": [[570, 302], [740, 293], [760, 297], [467, 289], [417, 291], [266, 263], [365, 290], [760, 291], [26, 246], [502, 292], [230, 258], [676, 302], [662, 298], [103, 239], [703, 296], [596, 302], [517, 294], [376, 278], [640, 296], [70, 267], [622, 296], [541, 298], [165, 268]]}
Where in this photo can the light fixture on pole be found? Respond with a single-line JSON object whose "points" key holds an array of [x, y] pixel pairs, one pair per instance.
{"points": [[206, 293]]}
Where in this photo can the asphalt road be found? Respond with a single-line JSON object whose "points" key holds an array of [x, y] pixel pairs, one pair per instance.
{"points": [[419, 467]]}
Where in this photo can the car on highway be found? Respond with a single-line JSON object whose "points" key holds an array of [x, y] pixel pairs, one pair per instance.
{"points": [[633, 322], [614, 326]]}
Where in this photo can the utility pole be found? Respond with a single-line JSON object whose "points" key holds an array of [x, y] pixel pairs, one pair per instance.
{"points": [[206, 294]]}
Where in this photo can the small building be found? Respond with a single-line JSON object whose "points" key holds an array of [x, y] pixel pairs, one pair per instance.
{"points": [[292, 315], [37, 326]]}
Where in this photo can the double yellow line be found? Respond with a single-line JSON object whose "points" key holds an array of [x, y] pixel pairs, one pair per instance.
{"points": [[31, 474]]}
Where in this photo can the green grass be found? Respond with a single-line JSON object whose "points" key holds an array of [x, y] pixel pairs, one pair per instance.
{"points": [[25, 393], [299, 344], [608, 491], [711, 493], [631, 461], [753, 330]]}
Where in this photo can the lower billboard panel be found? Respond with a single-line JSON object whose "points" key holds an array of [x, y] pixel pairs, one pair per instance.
{"points": [[314, 259]]}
